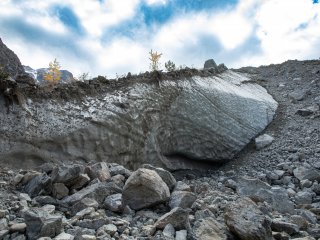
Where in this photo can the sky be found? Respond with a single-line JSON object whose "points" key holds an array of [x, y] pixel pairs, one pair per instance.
{"points": [[114, 37]]}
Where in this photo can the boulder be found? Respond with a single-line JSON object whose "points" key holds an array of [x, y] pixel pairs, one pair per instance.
{"points": [[39, 185], [99, 170], [114, 202], [307, 173], [164, 174], [281, 226], [144, 188], [178, 217], [59, 190], [190, 120], [68, 175], [246, 221], [260, 191], [182, 199], [42, 224]]}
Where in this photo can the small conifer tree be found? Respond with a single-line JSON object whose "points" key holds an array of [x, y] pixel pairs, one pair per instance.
{"points": [[53, 75], [170, 66]]}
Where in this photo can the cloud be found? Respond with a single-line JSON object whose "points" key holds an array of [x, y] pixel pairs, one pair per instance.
{"points": [[115, 36]]}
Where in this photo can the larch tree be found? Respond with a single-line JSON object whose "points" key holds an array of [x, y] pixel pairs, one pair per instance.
{"points": [[53, 76]]}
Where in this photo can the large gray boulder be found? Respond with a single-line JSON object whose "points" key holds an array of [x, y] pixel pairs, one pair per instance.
{"points": [[172, 122], [246, 221], [144, 188]]}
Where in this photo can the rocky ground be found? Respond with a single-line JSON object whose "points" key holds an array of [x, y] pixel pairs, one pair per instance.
{"points": [[270, 191]]}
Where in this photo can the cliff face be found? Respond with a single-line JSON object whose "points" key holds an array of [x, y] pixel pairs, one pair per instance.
{"points": [[10, 61], [162, 122]]}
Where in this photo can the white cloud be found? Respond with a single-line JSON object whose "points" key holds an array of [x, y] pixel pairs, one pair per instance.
{"points": [[283, 29], [286, 29], [156, 2]]}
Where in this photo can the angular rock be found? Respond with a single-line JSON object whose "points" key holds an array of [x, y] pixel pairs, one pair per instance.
{"points": [[169, 231], [280, 226], [261, 191], [114, 202], [3, 224], [83, 204], [59, 190], [166, 176], [39, 185], [64, 236], [144, 188], [67, 175], [210, 63], [18, 227], [116, 169], [209, 228], [92, 223], [182, 199], [263, 141], [99, 170], [178, 217], [82, 181], [97, 191], [246, 221], [42, 224], [181, 186], [303, 197], [304, 173], [181, 235]]}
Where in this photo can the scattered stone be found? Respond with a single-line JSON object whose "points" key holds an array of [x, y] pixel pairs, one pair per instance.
{"points": [[18, 227], [181, 235], [110, 229], [59, 190], [114, 202], [42, 224], [280, 226], [39, 185], [182, 199], [304, 173], [164, 174], [99, 170], [144, 188], [181, 186], [304, 112], [209, 228], [169, 231], [178, 217], [84, 204], [304, 197], [245, 220], [68, 175], [263, 141], [64, 236], [97, 191]]}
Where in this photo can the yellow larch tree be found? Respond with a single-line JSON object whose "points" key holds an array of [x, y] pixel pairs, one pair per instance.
{"points": [[154, 58], [53, 75]]}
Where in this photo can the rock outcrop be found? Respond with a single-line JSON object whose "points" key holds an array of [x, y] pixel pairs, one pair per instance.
{"points": [[9, 61], [173, 123]]}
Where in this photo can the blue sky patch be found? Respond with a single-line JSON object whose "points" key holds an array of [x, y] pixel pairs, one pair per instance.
{"points": [[68, 18]]}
